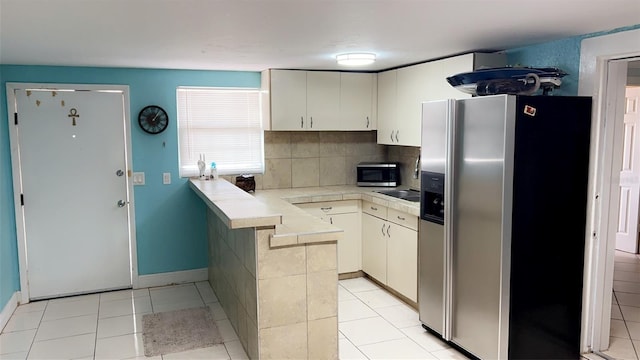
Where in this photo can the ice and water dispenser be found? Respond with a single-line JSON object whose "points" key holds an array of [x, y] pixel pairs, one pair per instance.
{"points": [[432, 200]]}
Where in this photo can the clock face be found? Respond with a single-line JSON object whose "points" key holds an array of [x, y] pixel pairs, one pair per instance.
{"points": [[153, 119]]}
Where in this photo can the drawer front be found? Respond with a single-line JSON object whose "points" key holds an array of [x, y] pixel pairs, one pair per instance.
{"points": [[331, 207], [374, 209], [402, 218]]}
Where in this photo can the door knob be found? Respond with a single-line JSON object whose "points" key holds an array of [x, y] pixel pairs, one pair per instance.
{"points": [[121, 203], [119, 172]]}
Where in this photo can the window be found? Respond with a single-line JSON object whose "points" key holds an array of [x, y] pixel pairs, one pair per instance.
{"points": [[222, 124]]}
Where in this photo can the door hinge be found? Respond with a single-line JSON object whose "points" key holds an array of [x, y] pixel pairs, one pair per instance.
{"points": [[15, 118], [22, 199]]}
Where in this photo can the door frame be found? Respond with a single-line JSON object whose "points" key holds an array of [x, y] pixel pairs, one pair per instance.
{"points": [[16, 171], [601, 59]]}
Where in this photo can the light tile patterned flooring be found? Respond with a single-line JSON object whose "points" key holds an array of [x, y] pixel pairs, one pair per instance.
{"points": [[109, 325], [625, 309], [373, 325], [376, 325]]}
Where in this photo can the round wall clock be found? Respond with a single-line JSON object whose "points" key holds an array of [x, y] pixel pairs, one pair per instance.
{"points": [[153, 119]]}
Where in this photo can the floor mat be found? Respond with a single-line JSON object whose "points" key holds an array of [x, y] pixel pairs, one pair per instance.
{"points": [[180, 330]]}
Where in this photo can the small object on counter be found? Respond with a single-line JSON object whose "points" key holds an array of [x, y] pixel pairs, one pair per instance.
{"points": [[213, 174], [201, 166], [246, 183]]}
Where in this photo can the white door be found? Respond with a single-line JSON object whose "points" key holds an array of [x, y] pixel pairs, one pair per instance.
{"points": [[627, 234], [73, 173]]}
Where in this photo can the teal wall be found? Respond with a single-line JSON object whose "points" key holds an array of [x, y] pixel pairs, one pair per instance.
{"points": [[9, 275], [563, 54], [170, 219]]}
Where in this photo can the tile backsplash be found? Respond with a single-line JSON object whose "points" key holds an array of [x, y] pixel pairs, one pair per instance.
{"points": [[296, 159], [406, 156]]}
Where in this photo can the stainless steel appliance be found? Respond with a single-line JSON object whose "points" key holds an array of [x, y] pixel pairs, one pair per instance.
{"points": [[378, 174], [502, 229]]}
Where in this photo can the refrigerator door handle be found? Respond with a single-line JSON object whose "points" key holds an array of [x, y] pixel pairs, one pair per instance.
{"points": [[449, 196]]}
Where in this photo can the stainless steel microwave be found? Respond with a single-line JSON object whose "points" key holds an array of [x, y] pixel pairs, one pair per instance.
{"points": [[378, 174]]}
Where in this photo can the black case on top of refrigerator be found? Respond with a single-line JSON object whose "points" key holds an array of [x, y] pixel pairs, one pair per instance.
{"points": [[500, 274]]}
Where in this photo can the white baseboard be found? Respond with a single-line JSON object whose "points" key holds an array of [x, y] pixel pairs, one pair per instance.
{"points": [[8, 309], [170, 278]]}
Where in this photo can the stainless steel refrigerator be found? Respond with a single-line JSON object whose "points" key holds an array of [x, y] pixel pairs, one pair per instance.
{"points": [[503, 219]]}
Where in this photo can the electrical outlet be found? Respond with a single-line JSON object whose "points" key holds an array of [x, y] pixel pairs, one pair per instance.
{"points": [[166, 178], [138, 178]]}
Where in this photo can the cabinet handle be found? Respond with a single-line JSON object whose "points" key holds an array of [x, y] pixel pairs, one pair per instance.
{"points": [[311, 121], [382, 229], [391, 135], [367, 122], [397, 131], [301, 122], [401, 218], [374, 208], [326, 208], [389, 227], [331, 220]]}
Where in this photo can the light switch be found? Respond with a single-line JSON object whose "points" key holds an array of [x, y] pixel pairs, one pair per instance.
{"points": [[166, 178], [138, 178]]}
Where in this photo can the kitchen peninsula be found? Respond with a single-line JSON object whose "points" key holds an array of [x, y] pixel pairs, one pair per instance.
{"points": [[274, 266]]}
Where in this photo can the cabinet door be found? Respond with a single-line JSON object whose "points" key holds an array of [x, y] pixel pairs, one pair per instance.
{"points": [[288, 100], [350, 247], [356, 101], [387, 106], [402, 260], [344, 214], [448, 67], [413, 85], [374, 247], [323, 100]]}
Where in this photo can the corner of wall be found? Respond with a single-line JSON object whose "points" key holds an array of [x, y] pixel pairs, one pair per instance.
{"points": [[8, 309]]}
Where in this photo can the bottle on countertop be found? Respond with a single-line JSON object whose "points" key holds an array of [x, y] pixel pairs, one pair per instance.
{"points": [[201, 166], [213, 175]]}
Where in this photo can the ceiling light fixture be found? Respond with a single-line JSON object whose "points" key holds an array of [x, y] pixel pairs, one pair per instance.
{"points": [[356, 59]]}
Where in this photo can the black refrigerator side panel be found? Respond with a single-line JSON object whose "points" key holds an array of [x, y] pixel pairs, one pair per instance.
{"points": [[551, 163]]}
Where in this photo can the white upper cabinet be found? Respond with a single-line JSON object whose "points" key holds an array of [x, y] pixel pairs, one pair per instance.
{"points": [[402, 91], [288, 100], [412, 87], [321, 100], [387, 105], [357, 101]]}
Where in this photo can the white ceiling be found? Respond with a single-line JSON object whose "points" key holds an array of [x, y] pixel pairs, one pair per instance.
{"points": [[303, 34]]}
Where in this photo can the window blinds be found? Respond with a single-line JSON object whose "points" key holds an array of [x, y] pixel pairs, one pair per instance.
{"points": [[224, 125]]}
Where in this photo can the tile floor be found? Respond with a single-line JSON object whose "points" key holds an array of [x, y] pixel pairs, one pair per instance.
{"points": [[625, 310], [376, 325], [108, 325], [373, 325]]}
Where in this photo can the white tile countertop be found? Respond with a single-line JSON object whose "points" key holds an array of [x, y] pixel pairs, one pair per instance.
{"points": [[239, 209]]}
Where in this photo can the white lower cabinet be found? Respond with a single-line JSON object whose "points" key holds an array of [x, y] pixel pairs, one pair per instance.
{"points": [[390, 248], [346, 216], [402, 260], [350, 247], [380, 241], [374, 247]]}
